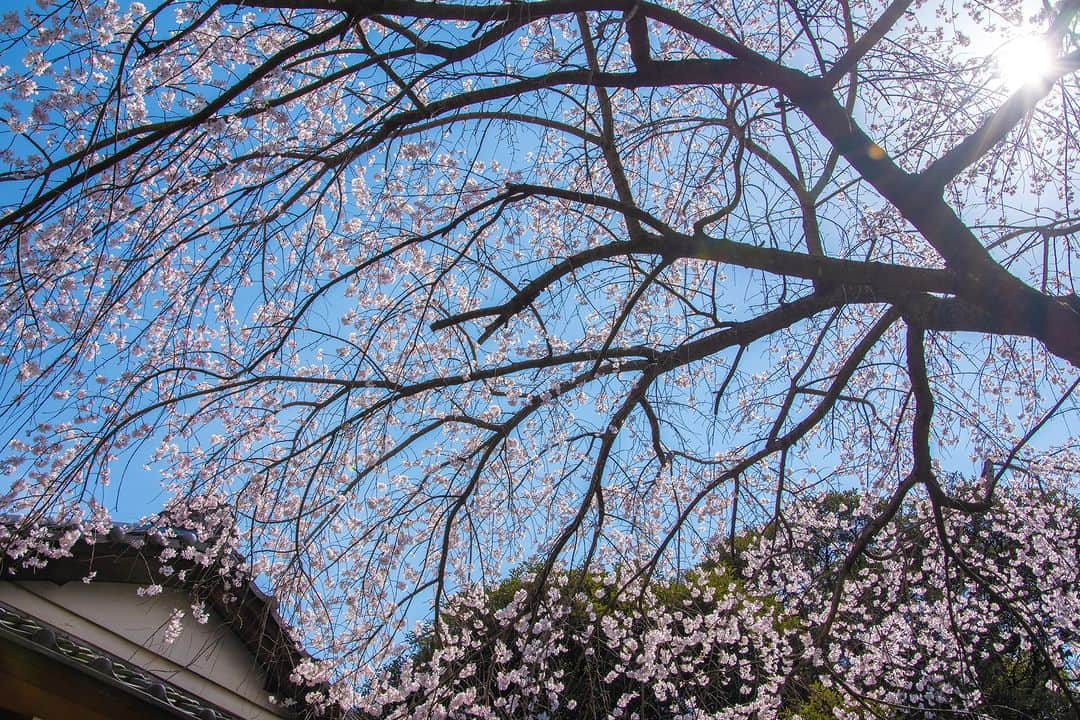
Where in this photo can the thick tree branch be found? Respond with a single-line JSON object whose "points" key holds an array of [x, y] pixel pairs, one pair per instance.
{"points": [[922, 469], [980, 280], [637, 32]]}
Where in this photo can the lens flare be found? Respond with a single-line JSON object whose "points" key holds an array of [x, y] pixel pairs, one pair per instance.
{"points": [[1026, 60]]}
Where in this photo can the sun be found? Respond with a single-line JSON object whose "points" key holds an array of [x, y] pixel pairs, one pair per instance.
{"points": [[1025, 60]]}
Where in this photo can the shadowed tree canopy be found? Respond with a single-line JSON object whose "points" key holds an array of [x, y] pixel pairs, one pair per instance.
{"points": [[389, 296]]}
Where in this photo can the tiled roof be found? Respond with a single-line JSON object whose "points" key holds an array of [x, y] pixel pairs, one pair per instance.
{"points": [[32, 633], [128, 554]]}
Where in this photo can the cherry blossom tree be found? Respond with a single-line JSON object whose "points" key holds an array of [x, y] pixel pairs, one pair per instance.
{"points": [[392, 295], [683, 634]]}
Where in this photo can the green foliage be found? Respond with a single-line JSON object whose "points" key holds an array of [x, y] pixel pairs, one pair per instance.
{"points": [[1016, 686], [819, 704]]}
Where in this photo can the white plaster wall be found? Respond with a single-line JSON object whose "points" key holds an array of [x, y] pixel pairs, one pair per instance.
{"points": [[207, 660]]}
